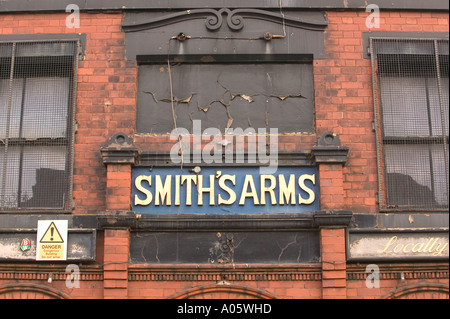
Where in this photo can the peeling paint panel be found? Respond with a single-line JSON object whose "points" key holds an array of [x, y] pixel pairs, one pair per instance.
{"points": [[268, 95]]}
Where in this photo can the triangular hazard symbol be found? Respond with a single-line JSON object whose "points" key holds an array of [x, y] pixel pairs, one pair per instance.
{"points": [[51, 235]]}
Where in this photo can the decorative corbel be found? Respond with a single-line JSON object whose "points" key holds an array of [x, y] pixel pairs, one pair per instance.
{"points": [[329, 150], [119, 150]]}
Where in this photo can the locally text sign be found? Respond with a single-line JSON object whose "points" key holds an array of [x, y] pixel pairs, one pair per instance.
{"points": [[226, 190], [398, 245]]}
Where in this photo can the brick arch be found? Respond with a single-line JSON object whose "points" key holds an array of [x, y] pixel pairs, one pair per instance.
{"points": [[223, 291], [30, 291], [420, 291]]}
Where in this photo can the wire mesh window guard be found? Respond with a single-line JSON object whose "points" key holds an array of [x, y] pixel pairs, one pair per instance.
{"points": [[411, 90], [37, 85]]}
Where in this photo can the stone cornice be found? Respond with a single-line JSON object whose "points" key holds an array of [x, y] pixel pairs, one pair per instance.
{"points": [[225, 273], [118, 5], [31, 272], [394, 271]]}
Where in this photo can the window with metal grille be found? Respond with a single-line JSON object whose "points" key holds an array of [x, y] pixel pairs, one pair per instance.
{"points": [[37, 85], [411, 93]]}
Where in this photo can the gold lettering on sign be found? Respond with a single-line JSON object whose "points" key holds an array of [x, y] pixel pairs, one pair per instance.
{"points": [[170, 189], [149, 197], [202, 190], [232, 193], [190, 179], [177, 190], [287, 191], [434, 246], [301, 183], [268, 189], [163, 192], [245, 193]]}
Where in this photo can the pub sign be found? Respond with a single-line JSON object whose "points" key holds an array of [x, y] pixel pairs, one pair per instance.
{"points": [[224, 190]]}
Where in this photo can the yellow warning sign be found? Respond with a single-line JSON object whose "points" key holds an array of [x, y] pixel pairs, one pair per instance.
{"points": [[51, 252], [52, 239], [51, 235]]}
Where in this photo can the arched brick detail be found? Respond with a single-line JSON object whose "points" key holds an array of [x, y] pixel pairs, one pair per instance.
{"points": [[225, 291], [420, 291], [30, 291]]}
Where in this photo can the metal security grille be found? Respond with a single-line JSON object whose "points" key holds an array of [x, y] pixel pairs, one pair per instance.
{"points": [[411, 90], [37, 85]]}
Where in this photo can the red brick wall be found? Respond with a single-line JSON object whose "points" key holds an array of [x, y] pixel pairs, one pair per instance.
{"points": [[107, 89], [106, 105], [344, 102], [400, 282], [332, 248], [118, 187], [115, 276], [105, 98], [32, 282], [230, 281]]}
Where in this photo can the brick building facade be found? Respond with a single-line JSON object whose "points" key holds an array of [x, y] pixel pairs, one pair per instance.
{"points": [[368, 218]]}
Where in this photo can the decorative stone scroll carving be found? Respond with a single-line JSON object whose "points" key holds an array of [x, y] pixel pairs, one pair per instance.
{"points": [[214, 19]]}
